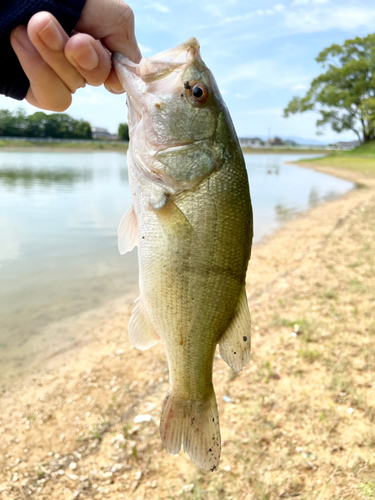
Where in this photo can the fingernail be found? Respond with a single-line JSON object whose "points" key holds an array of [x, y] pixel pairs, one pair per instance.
{"points": [[52, 37], [87, 58], [111, 89], [20, 34]]}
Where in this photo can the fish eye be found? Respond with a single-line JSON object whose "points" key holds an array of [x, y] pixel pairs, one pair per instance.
{"points": [[199, 92]]}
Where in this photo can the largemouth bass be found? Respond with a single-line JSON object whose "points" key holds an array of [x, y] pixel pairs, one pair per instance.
{"points": [[191, 218]]}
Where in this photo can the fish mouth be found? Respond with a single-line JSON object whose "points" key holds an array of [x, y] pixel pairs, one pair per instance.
{"points": [[148, 75], [162, 65], [154, 76], [155, 68]]}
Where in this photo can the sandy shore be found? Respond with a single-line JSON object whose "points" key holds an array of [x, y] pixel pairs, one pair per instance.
{"points": [[302, 414]]}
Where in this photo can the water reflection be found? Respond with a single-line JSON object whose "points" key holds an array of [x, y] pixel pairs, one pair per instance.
{"points": [[280, 190], [28, 178], [284, 213], [124, 177], [331, 195], [313, 198]]}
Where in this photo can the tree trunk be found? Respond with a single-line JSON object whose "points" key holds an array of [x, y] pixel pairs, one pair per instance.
{"points": [[366, 137]]}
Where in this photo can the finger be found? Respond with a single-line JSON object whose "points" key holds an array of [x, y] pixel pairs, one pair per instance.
{"points": [[89, 57], [115, 29], [50, 39], [112, 84], [31, 99], [47, 90]]}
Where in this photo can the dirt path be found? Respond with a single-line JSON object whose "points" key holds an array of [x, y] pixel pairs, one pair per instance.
{"points": [[301, 421]]}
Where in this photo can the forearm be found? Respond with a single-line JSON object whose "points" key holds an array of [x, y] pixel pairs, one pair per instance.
{"points": [[13, 81]]}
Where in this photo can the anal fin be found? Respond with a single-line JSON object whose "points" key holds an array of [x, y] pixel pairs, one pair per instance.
{"points": [[142, 334], [235, 343], [128, 232]]}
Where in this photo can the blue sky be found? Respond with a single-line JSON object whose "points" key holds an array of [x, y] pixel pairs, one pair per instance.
{"points": [[261, 52]]}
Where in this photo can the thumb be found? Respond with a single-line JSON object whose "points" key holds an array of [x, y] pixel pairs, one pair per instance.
{"points": [[111, 21]]}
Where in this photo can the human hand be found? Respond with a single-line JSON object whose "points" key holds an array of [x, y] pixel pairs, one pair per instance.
{"points": [[57, 65]]}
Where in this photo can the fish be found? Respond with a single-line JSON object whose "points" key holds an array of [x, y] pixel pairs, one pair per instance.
{"points": [[191, 217]]}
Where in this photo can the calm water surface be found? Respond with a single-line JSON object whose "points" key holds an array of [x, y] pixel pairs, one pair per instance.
{"points": [[59, 214]]}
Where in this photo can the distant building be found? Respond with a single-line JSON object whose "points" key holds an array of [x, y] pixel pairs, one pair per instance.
{"points": [[102, 133], [247, 142], [275, 141], [346, 145]]}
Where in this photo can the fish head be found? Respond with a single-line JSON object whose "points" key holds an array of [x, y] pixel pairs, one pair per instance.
{"points": [[174, 112]]}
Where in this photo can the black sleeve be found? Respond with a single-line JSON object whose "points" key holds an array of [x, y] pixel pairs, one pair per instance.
{"points": [[13, 81]]}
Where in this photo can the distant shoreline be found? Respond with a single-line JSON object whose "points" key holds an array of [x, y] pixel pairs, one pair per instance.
{"points": [[85, 146], [286, 150], [61, 145]]}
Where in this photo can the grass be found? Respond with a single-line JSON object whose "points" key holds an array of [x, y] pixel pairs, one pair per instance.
{"points": [[368, 489], [309, 355], [125, 430], [284, 149], [360, 159]]}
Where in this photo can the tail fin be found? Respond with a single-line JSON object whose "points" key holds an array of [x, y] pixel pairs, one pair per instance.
{"points": [[196, 425]]}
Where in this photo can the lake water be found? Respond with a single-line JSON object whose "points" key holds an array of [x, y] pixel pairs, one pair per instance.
{"points": [[59, 214]]}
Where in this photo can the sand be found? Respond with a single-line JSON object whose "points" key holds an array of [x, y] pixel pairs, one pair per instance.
{"points": [[301, 417]]}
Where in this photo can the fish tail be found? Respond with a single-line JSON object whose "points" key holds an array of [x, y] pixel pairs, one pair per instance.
{"points": [[196, 425]]}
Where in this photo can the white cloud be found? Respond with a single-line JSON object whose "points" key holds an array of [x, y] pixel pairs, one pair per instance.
{"points": [[264, 74], [278, 8], [159, 7], [263, 112], [233, 19], [213, 9], [304, 2], [300, 86], [12, 104], [144, 49], [92, 96], [324, 19]]}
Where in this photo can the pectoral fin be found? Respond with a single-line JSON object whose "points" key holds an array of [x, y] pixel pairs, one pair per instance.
{"points": [[128, 232], [174, 223], [142, 334], [235, 343]]}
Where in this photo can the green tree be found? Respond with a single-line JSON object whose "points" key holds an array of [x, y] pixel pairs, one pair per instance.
{"points": [[13, 124], [35, 126], [123, 131], [344, 94], [39, 124], [82, 129], [63, 126]]}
